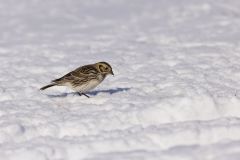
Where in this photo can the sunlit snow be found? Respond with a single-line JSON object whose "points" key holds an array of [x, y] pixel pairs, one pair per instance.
{"points": [[175, 94]]}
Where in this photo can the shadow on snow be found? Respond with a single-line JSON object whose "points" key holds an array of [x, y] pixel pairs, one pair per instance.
{"points": [[92, 93], [109, 91]]}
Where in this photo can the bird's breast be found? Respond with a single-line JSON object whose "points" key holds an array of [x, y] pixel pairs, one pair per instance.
{"points": [[101, 77], [87, 86]]}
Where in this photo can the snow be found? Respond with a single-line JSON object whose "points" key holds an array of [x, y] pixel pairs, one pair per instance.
{"points": [[175, 94]]}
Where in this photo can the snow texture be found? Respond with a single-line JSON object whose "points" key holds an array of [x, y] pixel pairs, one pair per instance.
{"points": [[175, 94]]}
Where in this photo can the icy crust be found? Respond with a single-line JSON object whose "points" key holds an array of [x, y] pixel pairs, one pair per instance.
{"points": [[175, 94], [194, 139]]}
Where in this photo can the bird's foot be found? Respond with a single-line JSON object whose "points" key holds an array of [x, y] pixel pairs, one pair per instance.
{"points": [[80, 94]]}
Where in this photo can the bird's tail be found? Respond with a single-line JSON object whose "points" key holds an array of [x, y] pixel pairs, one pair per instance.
{"points": [[48, 86]]}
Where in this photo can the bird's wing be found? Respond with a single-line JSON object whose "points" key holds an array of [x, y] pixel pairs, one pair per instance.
{"points": [[69, 78], [86, 70], [81, 74]]}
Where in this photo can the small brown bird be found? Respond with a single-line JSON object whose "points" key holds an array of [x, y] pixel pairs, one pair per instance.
{"points": [[84, 78]]}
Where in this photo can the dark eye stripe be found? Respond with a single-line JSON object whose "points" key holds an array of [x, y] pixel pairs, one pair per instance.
{"points": [[101, 68]]}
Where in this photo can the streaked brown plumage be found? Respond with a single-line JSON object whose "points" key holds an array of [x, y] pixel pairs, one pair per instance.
{"points": [[84, 78]]}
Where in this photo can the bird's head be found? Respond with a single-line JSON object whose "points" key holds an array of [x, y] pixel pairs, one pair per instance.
{"points": [[104, 68]]}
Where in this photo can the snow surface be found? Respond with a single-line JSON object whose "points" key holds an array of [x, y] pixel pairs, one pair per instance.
{"points": [[175, 94]]}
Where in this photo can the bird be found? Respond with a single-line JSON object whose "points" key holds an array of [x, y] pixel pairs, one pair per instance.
{"points": [[84, 78]]}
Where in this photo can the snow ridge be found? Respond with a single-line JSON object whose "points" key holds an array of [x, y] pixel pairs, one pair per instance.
{"points": [[175, 94]]}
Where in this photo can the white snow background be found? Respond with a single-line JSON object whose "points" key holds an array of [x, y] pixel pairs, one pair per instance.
{"points": [[175, 94]]}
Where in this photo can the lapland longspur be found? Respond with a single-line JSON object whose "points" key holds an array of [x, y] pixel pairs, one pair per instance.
{"points": [[84, 78]]}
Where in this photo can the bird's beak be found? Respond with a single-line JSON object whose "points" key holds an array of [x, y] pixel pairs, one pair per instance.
{"points": [[112, 73]]}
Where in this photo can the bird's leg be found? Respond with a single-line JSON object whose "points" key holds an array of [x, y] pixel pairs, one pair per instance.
{"points": [[80, 94], [85, 95]]}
